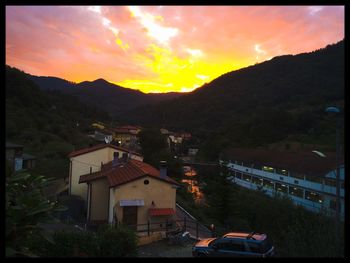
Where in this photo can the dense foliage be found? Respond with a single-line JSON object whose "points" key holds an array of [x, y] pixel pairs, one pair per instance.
{"points": [[278, 100], [26, 208], [49, 124], [107, 242], [155, 149]]}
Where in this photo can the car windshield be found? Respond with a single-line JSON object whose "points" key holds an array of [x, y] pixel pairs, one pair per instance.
{"points": [[266, 245], [212, 242]]}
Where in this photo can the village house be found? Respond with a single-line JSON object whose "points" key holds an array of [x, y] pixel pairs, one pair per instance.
{"points": [[131, 192], [90, 160], [126, 135], [17, 158]]}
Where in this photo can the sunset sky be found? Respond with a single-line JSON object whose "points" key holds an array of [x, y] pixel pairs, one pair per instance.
{"points": [[161, 48]]}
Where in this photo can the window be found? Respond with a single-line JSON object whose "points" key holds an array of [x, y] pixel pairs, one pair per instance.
{"points": [[268, 183], [223, 244], [146, 182], [257, 166], [342, 185], [238, 175], [282, 171], [298, 192], [247, 177], [237, 245], [268, 169], [313, 196], [256, 180], [281, 188], [296, 181]]}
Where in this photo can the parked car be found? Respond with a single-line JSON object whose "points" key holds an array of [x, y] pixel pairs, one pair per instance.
{"points": [[235, 245]]}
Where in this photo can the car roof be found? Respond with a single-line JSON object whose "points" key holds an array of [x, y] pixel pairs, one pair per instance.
{"points": [[252, 235]]}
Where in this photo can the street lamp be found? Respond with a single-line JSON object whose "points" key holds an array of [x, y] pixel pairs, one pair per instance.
{"points": [[338, 205]]}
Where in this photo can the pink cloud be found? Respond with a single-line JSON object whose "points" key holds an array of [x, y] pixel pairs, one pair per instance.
{"points": [[78, 44]]}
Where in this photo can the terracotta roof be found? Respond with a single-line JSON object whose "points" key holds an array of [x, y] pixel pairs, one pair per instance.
{"points": [[124, 173], [129, 127], [302, 162], [98, 147], [161, 211]]}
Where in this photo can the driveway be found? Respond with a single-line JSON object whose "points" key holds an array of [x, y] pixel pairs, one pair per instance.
{"points": [[163, 249]]}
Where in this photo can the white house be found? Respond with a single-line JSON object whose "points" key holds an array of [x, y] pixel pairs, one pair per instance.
{"points": [[90, 160], [306, 178]]}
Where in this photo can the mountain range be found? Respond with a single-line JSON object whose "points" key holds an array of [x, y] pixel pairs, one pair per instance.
{"points": [[280, 99], [107, 96], [277, 100]]}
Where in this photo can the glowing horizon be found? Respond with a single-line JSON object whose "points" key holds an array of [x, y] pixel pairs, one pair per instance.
{"points": [[161, 48]]}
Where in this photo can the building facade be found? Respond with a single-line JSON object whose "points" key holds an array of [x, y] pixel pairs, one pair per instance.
{"points": [[130, 192], [305, 178], [90, 160]]}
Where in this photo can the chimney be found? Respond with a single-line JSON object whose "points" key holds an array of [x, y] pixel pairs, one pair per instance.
{"points": [[163, 169], [115, 159], [125, 157]]}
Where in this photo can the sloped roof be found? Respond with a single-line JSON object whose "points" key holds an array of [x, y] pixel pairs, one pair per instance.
{"points": [[125, 172], [98, 147], [302, 162]]}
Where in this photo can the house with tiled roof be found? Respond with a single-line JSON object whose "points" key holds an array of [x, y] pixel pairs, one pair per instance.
{"points": [[131, 192], [90, 160], [307, 178]]}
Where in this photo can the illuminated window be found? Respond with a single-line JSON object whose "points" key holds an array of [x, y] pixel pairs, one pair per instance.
{"points": [[268, 169], [282, 171], [313, 196], [247, 177], [281, 188], [257, 180], [268, 183], [296, 191]]}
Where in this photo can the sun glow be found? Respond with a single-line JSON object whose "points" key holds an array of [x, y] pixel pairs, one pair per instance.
{"points": [[161, 48], [174, 73]]}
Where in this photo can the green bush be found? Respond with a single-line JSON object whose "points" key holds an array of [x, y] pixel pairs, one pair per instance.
{"points": [[107, 242], [117, 242]]}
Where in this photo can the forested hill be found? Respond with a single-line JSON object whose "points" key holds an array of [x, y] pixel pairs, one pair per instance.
{"points": [[103, 94], [48, 124], [260, 104]]}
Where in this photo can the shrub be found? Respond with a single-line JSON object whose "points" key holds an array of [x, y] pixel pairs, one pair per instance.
{"points": [[117, 242]]}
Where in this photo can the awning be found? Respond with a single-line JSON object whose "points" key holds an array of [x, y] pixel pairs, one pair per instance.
{"points": [[161, 211], [133, 202]]}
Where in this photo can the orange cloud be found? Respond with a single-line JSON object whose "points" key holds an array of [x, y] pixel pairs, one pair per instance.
{"points": [[161, 48]]}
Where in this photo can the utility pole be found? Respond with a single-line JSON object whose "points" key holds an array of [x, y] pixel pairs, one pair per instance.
{"points": [[337, 176]]}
